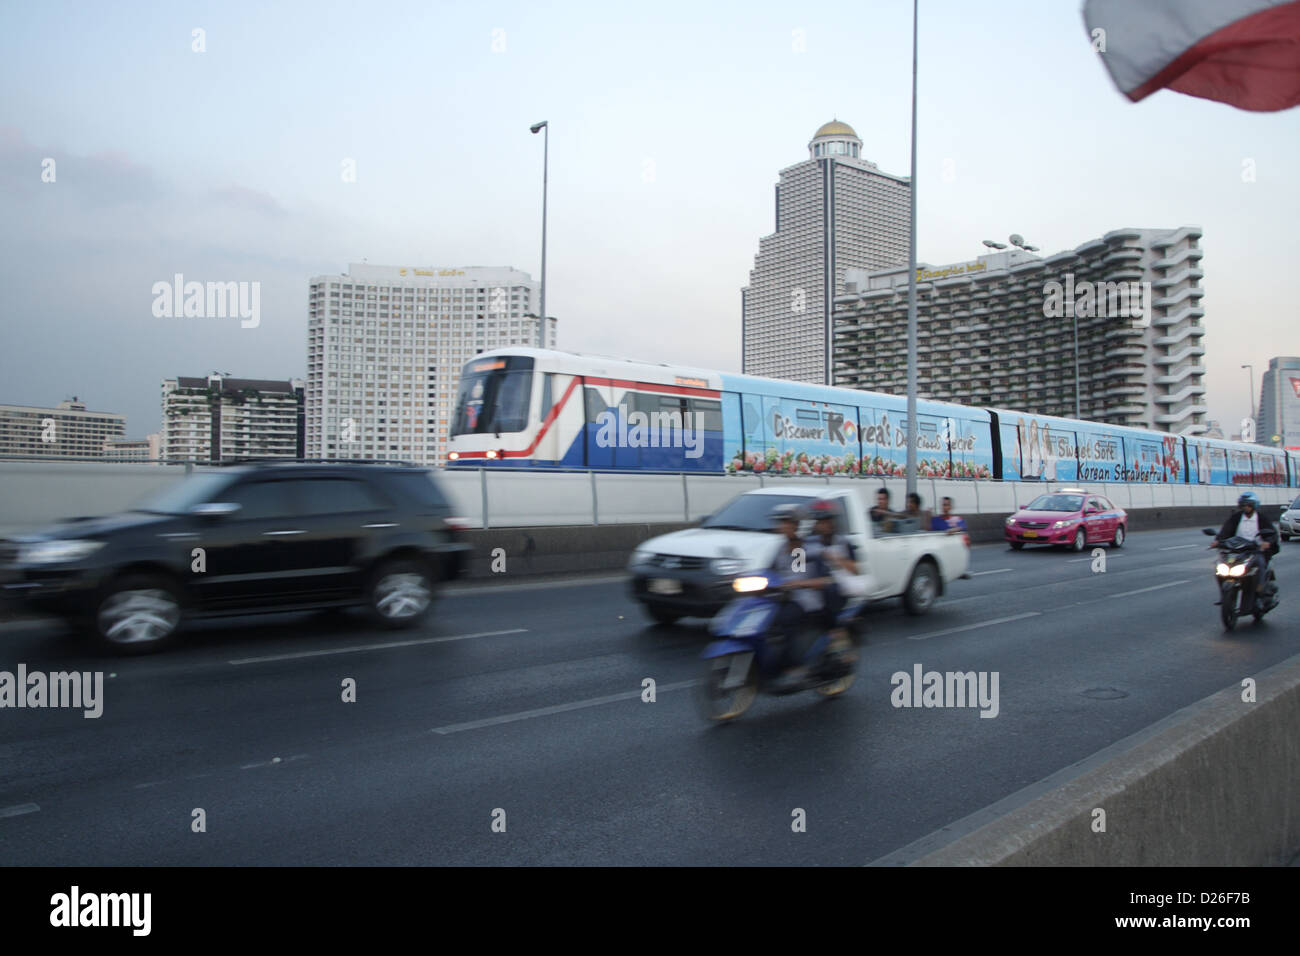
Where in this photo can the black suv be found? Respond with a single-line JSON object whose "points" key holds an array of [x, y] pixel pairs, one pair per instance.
{"points": [[245, 539]]}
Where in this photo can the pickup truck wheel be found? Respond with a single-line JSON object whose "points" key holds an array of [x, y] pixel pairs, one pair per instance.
{"points": [[922, 589], [661, 615]]}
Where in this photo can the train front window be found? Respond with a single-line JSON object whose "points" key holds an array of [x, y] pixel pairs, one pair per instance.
{"points": [[494, 396]]}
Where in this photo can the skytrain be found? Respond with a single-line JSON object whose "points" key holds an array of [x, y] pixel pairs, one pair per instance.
{"points": [[537, 408]]}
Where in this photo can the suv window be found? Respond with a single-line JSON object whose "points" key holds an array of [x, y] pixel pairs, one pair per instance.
{"points": [[256, 499], [416, 488], [327, 496]]}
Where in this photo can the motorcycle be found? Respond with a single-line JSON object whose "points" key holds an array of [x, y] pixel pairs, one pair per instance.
{"points": [[745, 660], [1241, 590]]}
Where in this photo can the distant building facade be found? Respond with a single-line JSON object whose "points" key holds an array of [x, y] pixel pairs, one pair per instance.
{"points": [[834, 211], [1279, 403], [69, 430], [221, 418], [147, 449], [385, 347], [999, 331]]}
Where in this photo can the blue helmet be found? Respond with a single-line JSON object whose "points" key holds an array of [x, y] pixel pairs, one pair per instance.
{"points": [[1248, 498]]}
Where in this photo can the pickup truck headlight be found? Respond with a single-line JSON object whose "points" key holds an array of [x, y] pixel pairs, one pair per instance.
{"points": [[640, 556], [728, 565], [56, 552]]}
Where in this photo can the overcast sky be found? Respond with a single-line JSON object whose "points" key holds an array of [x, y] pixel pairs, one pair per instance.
{"points": [[669, 123]]}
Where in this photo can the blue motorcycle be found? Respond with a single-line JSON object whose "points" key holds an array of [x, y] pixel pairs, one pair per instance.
{"points": [[745, 659]]}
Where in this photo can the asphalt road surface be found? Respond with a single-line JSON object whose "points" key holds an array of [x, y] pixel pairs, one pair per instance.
{"points": [[523, 703]]}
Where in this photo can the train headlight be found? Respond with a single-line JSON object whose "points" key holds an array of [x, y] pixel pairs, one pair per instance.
{"points": [[491, 453], [453, 455]]}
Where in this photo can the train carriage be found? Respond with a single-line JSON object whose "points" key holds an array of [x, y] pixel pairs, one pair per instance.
{"points": [[545, 409]]}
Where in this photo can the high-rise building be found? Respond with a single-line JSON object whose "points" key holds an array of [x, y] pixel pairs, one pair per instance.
{"points": [[220, 418], [834, 211], [385, 346], [999, 331], [69, 430], [1279, 403]]}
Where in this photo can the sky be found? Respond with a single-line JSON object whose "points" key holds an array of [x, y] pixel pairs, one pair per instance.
{"points": [[669, 123]]}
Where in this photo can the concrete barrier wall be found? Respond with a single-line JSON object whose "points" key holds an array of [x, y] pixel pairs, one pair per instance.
{"points": [[35, 493], [1216, 784]]}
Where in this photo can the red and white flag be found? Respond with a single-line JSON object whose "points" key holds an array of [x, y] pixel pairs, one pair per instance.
{"points": [[1242, 52]]}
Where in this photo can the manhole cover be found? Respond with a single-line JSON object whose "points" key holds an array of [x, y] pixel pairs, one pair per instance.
{"points": [[1104, 693]]}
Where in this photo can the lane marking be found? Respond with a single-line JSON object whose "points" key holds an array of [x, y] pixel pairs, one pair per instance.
{"points": [[1111, 553], [555, 709], [375, 647], [1154, 587], [971, 627], [18, 810], [976, 574], [470, 590], [1180, 547]]}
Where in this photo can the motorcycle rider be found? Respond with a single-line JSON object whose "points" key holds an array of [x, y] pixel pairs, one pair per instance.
{"points": [[806, 574], [1249, 522], [839, 554]]}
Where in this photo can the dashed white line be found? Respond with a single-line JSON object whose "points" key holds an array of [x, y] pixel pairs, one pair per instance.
{"points": [[357, 648], [1180, 547], [976, 574], [18, 810], [555, 709], [971, 627], [1154, 587]]}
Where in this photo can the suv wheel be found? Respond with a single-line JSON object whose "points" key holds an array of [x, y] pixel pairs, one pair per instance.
{"points": [[138, 614], [401, 593]]}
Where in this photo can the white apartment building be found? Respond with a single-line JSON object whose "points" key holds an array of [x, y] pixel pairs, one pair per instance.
{"points": [[147, 449], [991, 331], [834, 211], [385, 346], [69, 430], [221, 418]]}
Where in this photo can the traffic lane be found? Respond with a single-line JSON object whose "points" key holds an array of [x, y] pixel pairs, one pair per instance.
{"points": [[592, 748]]}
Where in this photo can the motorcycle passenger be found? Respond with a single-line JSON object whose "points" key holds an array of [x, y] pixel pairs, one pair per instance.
{"points": [[806, 574], [839, 554], [1251, 523]]}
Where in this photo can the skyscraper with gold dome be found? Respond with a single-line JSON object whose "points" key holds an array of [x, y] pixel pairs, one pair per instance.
{"points": [[834, 211]]}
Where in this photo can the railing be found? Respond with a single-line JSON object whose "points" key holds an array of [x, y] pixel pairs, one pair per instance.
{"points": [[37, 492]]}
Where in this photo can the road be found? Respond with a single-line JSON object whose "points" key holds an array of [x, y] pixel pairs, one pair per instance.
{"points": [[526, 699]]}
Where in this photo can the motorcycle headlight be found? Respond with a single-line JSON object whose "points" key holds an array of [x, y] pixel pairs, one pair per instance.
{"points": [[1238, 570], [728, 565], [56, 552], [750, 584], [1222, 570]]}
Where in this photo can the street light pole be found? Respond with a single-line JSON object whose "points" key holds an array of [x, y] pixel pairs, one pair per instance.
{"points": [[1252, 390], [911, 290], [1077, 416], [546, 149]]}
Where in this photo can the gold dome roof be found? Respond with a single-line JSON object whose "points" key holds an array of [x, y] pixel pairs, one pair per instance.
{"points": [[835, 128]]}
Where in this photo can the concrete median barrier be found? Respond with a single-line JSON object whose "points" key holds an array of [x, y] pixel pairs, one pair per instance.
{"points": [[1215, 784]]}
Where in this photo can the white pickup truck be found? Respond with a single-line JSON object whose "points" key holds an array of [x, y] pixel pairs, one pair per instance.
{"points": [[688, 573]]}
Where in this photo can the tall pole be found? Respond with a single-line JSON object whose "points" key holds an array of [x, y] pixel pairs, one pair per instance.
{"points": [[545, 128], [1252, 389], [546, 161], [911, 291]]}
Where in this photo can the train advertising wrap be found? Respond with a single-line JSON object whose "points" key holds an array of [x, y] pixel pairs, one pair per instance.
{"points": [[787, 436]]}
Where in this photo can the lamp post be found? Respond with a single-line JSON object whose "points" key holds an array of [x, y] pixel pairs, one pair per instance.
{"points": [[546, 148], [911, 290], [1252, 389]]}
